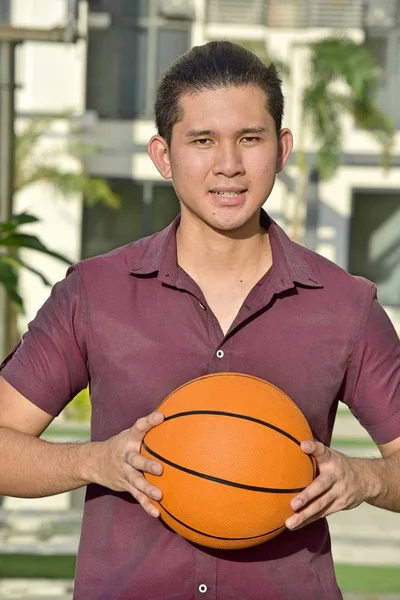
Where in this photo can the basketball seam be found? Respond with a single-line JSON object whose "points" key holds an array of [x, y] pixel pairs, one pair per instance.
{"points": [[244, 417], [243, 486], [235, 415], [254, 537], [230, 374]]}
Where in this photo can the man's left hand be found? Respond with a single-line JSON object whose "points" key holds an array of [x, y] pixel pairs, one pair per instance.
{"points": [[342, 483]]}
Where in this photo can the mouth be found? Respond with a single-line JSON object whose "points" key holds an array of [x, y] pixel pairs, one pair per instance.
{"points": [[228, 197]]}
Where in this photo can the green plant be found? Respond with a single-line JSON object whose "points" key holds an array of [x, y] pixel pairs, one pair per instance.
{"points": [[333, 61], [12, 240], [33, 163], [343, 80], [341, 60], [79, 409]]}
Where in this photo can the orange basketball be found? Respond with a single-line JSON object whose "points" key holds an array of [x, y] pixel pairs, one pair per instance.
{"points": [[230, 449]]}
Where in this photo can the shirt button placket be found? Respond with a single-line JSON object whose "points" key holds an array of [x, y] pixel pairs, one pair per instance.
{"points": [[205, 576]]}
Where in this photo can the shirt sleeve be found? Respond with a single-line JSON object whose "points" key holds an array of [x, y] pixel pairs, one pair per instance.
{"points": [[49, 366], [372, 381]]}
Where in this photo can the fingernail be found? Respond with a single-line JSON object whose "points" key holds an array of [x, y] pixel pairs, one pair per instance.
{"points": [[154, 512], [156, 495], [291, 523], [158, 417], [156, 469]]}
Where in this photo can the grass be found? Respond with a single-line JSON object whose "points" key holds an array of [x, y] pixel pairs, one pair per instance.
{"points": [[55, 432], [366, 442], [351, 578], [368, 579], [36, 566]]}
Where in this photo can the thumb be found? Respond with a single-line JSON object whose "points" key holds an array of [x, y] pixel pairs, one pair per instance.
{"points": [[321, 452]]}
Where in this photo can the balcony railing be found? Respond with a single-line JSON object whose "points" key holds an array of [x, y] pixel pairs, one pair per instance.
{"points": [[246, 12], [287, 13]]}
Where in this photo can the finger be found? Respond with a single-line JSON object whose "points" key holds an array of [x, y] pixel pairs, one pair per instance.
{"points": [[141, 463], [139, 482], [144, 424], [319, 486], [312, 513], [144, 502], [321, 452]]}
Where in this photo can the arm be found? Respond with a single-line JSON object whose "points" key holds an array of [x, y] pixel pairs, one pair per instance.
{"points": [[31, 467], [345, 482], [371, 388]]}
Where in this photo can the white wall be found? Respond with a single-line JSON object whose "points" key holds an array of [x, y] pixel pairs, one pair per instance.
{"points": [[51, 77]]}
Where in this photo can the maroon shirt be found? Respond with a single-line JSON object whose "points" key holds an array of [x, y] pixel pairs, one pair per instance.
{"points": [[135, 326]]}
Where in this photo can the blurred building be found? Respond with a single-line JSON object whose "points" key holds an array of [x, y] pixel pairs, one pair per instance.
{"points": [[109, 80]]}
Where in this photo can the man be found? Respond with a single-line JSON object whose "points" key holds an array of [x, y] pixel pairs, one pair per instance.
{"points": [[221, 289]]}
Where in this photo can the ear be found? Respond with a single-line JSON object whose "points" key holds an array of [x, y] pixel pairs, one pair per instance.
{"points": [[285, 145], [158, 150]]}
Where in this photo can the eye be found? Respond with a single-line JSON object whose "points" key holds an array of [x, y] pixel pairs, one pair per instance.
{"points": [[203, 142], [250, 140]]}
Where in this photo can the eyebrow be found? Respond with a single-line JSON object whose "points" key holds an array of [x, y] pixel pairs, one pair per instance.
{"points": [[244, 131]]}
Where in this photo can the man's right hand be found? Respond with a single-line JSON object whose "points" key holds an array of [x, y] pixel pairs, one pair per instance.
{"points": [[119, 465]]}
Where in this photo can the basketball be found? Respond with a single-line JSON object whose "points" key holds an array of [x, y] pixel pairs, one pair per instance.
{"points": [[230, 450]]}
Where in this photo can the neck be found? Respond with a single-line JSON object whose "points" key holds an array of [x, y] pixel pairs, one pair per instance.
{"points": [[206, 252]]}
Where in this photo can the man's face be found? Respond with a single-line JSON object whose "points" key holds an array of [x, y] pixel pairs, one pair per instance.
{"points": [[224, 156]]}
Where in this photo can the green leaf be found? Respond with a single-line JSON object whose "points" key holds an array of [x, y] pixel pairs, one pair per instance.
{"points": [[23, 240], [342, 60], [9, 279], [94, 190], [18, 262], [15, 221]]}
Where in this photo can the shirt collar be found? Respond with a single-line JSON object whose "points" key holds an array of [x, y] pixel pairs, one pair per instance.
{"points": [[291, 261]]}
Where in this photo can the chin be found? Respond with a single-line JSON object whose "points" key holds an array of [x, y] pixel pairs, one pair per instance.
{"points": [[229, 224]]}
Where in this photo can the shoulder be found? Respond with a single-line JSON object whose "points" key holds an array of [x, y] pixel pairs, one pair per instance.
{"points": [[125, 257], [118, 264], [335, 280]]}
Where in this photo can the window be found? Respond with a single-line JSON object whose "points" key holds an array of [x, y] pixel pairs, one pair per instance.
{"points": [[386, 51], [375, 242], [4, 11], [116, 80], [127, 60], [126, 8], [145, 208]]}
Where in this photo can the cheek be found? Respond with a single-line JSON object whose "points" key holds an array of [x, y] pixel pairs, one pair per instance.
{"points": [[190, 166], [261, 168]]}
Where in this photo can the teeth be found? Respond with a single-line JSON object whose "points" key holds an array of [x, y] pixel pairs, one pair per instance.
{"points": [[229, 194]]}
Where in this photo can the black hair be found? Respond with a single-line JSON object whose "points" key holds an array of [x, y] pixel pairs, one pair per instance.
{"points": [[218, 64]]}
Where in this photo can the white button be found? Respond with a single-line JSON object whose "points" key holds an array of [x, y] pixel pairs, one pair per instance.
{"points": [[220, 353], [203, 588]]}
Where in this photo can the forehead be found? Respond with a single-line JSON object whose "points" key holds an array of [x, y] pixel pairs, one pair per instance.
{"points": [[224, 107]]}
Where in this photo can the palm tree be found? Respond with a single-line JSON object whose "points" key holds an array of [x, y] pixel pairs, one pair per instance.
{"points": [[337, 60]]}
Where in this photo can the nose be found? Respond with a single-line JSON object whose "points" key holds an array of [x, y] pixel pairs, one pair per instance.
{"points": [[228, 161]]}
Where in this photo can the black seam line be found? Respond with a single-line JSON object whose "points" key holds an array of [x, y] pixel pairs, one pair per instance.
{"points": [[235, 415], [216, 537], [243, 486], [239, 416]]}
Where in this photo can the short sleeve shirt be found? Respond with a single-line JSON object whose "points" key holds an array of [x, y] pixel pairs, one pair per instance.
{"points": [[134, 326]]}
